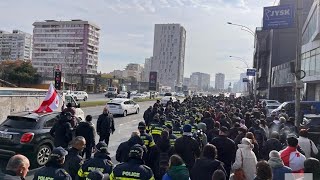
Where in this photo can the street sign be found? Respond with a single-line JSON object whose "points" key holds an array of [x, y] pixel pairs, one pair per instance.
{"points": [[277, 17], [251, 72], [245, 80], [57, 79], [153, 81]]}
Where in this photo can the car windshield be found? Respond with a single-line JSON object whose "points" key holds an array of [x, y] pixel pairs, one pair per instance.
{"points": [[111, 89], [272, 101], [272, 107], [19, 122]]}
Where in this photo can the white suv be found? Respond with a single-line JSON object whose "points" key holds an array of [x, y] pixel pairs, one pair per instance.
{"points": [[79, 95]]}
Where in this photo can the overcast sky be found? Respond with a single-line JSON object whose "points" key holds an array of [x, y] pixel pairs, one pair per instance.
{"points": [[127, 28]]}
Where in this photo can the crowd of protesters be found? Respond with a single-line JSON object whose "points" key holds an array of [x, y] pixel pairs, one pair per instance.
{"points": [[200, 138]]}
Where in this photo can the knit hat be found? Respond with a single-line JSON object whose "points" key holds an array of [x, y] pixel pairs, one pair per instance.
{"points": [[202, 126], [187, 128], [141, 124], [274, 154]]}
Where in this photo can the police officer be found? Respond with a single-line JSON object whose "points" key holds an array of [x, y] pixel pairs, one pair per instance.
{"points": [[53, 168], [156, 128], [172, 137], [134, 168], [176, 129], [62, 130], [101, 162], [74, 159], [147, 139]]}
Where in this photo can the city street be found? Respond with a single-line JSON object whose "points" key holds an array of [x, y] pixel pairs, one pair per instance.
{"points": [[96, 97], [124, 127]]}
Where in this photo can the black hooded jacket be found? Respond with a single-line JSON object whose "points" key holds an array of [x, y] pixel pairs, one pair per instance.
{"points": [[123, 150], [204, 168]]}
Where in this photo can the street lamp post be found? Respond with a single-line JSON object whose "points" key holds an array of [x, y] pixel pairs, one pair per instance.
{"points": [[247, 29]]}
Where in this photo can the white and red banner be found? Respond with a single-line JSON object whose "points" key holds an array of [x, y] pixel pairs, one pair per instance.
{"points": [[50, 102]]}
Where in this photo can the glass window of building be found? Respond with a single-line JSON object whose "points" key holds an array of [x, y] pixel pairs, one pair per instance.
{"points": [[312, 65], [318, 64]]}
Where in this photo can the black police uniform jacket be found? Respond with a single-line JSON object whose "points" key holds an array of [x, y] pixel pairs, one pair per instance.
{"points": [[10, 175], [133, 169], [87, 130], [105, 125], [122, 154], [73, 162], [52, 171], [101, 162]]}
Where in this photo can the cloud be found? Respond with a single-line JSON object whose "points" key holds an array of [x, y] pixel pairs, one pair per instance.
{"points": [[127, 28]]}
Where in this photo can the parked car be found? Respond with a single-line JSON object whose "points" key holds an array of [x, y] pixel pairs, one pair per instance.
{"points": [[270, 108], [79, 95], [165, 99], [112, 92], [139, 96], [28, 133], [305, 107], [120, 106], [267, 102], [180, 95], [312, 123], [122, 95]]}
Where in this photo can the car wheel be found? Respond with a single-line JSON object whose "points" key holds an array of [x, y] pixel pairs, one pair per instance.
{"points": [[137, 112], [43, 154], [124, 113], [85, 98]]}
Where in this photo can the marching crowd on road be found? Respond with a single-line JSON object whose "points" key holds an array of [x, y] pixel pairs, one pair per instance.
{"points": [[200, 138]]}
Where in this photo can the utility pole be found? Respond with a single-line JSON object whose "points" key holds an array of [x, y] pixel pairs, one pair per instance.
{"points": [[298, 63]]}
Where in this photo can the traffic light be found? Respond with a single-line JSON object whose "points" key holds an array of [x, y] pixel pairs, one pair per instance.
{"points": [[57, 79]]}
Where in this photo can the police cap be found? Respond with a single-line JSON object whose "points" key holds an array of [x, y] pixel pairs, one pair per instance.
{"points": [[95, 175], [136, 151], [59, 152], [102, 147]]}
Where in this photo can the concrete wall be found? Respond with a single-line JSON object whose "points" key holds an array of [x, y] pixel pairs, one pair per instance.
{"points": [[14, 104]]}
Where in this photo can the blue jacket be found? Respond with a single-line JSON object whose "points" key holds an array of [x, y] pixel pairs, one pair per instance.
{"points": [[279, 172]]}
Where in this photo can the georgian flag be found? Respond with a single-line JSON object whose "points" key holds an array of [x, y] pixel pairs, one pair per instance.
{"points": [[50, 102]]}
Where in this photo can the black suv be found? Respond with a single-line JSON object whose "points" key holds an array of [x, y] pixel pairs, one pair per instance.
{"points": [[28, 134]]}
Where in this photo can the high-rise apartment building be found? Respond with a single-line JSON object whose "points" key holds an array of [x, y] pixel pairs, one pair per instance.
{"points": [[219, 81], [147, 69], [200, 81], [15, 46], [73, 45], [133, 70], [169, 54]]}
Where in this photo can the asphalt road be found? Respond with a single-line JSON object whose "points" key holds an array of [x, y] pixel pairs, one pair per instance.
{"points": [[124, 127]]}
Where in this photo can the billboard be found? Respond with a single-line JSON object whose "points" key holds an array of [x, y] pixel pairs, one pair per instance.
{"points": [[153, 81], [251, 72], [277, 17]]}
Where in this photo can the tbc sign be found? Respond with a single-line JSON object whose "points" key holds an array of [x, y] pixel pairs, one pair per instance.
{"points": [[276, 17], [251, 72]]}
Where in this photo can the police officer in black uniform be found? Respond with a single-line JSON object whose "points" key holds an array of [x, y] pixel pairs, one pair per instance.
{"points": [[74, 159], [53, 169], [147, 139], [134, 168], [101, 162]]}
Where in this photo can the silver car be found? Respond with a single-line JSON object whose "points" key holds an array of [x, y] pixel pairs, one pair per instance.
{"points": [[121, 106]]}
